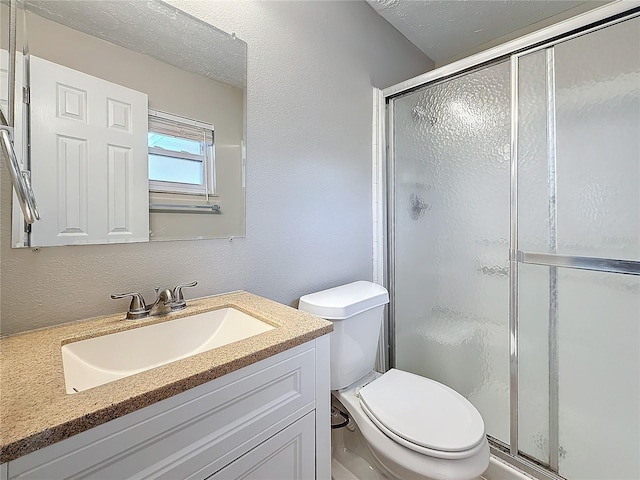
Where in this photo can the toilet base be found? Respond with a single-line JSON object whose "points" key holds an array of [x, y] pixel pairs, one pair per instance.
{"points": [[350, 456], [390, 460]]}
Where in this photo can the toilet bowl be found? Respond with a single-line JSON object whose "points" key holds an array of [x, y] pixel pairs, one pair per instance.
{"points": [[415, 428], [396, 457]]}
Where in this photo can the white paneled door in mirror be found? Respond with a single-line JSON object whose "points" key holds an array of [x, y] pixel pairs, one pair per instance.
{"points": [[451, 167], [89, 158]]}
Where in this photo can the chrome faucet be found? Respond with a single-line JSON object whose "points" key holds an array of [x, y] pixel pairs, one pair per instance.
{"points": [[166, 301], [162, 305]]}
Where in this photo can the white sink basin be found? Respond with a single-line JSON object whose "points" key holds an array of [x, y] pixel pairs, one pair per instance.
{"points": [[96, 361]]}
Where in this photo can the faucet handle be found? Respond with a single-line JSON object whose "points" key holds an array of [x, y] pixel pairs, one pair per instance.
{"points": [[178, 299], [137, 308]]}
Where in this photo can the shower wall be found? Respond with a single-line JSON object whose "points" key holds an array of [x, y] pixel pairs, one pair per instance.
{"points": [[578, 195]]}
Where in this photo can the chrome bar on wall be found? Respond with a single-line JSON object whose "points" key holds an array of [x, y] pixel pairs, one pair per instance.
{"points": [[553, 359], [380, 253], [11, 67], [513, 266], [391, 233], [608, 265], [178, 208], [20, 179]]}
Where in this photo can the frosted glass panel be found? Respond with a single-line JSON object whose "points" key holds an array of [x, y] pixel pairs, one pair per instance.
{"points": [[452, 229], [597, 98], [533, 166], [599, 371], [598, 368], [533, 362]]}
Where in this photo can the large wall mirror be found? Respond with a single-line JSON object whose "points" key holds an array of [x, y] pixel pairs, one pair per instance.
{"points": [[131, 122]]}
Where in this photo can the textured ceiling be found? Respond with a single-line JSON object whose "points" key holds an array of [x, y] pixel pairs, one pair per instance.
{"points": [[155, 29], [444, 29]]}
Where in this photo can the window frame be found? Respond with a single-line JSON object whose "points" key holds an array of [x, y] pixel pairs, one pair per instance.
{"points": [[208, 187]]}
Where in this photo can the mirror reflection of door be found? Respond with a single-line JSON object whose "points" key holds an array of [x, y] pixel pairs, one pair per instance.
{"points": [[89, 141]]}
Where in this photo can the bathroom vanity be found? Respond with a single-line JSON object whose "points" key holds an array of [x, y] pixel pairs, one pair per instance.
{"points": [[255, 408]]}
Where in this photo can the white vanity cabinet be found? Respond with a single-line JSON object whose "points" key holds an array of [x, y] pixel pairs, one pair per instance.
{"points": [[288, 454], [266, 421]]}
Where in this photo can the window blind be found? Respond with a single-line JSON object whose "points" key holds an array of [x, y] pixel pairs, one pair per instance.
{"points": [[181, 129]]}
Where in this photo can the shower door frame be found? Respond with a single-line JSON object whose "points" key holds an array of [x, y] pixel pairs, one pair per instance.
{"points": [[582, 24]]}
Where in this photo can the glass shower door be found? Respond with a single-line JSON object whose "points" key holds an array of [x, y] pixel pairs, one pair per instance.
{"points": [[567, 396], [451, 282], [578, 200]]}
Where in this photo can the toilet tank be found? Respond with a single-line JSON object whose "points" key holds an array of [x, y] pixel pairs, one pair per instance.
{"points": [[356, 310]]}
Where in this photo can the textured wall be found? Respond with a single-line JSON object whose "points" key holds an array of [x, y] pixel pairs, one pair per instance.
{"points": [[311, 66]]}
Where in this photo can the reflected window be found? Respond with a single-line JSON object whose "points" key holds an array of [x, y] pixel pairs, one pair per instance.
{"points": [[181, 155]]}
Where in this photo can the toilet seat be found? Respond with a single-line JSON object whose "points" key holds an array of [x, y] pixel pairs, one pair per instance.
{"points": [[423, 415]]}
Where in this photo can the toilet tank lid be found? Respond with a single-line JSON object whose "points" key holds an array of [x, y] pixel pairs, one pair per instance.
{"points": [[344, 301]]}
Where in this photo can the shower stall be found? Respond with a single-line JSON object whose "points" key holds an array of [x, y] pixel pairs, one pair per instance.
{"points": [[513, 252]]}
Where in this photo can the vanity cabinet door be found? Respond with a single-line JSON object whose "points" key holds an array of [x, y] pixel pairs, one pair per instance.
{"points": [[288, 455]]}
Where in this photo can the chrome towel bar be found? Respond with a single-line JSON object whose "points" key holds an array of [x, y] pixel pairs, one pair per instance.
{"points": [[21, 179], [184, 208]]}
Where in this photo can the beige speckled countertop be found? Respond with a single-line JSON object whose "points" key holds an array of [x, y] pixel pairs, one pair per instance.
{"points": [[36, 411]]}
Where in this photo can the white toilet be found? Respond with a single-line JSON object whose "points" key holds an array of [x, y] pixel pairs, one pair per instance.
{"points": [[415, 428]]}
